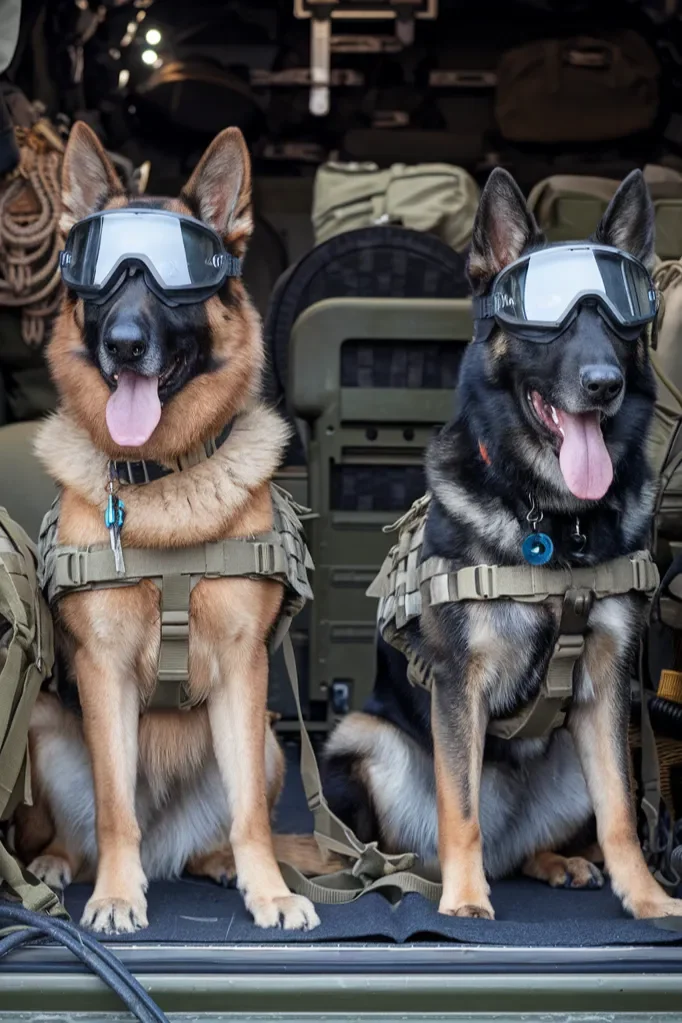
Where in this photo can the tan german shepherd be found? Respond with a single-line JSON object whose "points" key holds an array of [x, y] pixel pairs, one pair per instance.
{"points": [[132, 797]]}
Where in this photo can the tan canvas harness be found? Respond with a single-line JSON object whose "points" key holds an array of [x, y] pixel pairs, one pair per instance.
{"points": [[280, 554], [406, 585]]}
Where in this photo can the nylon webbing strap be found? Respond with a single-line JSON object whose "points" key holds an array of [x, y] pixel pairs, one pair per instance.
{"points": [[82, 568], [173, 669], [371, 869], [548, 710], [535, 583], [32, 893]]}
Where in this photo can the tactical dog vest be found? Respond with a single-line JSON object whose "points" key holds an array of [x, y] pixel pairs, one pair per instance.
{"points": [[280, 554], [406, 585]]}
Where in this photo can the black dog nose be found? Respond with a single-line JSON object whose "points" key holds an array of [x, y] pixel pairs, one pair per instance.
{"points": [[601, 383], [125, 342]]}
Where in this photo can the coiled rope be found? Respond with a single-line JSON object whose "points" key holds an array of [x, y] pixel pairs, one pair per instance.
{"points": [[30, 238]]}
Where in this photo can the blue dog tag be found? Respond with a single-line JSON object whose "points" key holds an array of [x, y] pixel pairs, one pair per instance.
{"points": [[537, 549]]}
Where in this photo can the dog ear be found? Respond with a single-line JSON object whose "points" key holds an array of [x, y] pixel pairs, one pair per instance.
{"points": [[628, 223], [503, 228], [88, 176], [220, 189]]}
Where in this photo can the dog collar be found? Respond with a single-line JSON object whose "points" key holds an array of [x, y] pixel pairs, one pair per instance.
{"points": [[128, 473]]}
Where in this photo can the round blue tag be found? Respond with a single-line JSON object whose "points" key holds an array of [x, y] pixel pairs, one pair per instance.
{"points": [[537, 549]]}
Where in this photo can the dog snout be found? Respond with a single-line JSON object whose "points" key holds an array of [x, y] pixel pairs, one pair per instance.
{"points": [[601, 383], [125, 343]]}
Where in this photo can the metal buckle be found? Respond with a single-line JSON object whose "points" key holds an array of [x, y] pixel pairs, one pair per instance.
{"points": [[314, 802], [644, 579], [75, 568], [569, 646], [485, 581], [265, 559], [175, 625]]}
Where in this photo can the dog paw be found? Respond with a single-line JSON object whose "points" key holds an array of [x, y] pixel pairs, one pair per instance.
{"points": [[476, 911], [114, 916], [219, 866], [651, 909], [53, 870], [290, 912], [575, 872]]}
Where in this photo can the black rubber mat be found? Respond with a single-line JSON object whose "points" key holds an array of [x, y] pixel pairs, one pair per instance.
{"points": [[528, 913]]}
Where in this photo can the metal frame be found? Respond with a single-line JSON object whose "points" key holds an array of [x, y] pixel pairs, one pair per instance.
{"points": [[302, 9], [321, 13], [391, 982]]}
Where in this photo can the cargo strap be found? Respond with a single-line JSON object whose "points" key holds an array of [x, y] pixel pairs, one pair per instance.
{"points": [[280, 554], [29, 660], [371, 869]]}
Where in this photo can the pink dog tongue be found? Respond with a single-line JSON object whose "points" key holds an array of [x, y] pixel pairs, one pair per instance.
{"points": [[133, 410], [584, 460]]}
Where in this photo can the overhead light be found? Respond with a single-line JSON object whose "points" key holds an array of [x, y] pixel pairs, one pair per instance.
{"points": [[153, 37], [149, 56], [123, 78]]}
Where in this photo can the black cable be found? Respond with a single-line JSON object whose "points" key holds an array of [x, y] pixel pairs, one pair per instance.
{"points": [[17, 938], [666, 717], [94, 955]]}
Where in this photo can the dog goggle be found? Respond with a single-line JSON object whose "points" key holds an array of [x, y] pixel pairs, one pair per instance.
{"points": [[538, 296], [183, 260]]}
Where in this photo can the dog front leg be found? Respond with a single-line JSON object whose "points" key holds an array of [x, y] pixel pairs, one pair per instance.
{"points": [[110, 704], [459, 719], [236, 712], [599, 729]]}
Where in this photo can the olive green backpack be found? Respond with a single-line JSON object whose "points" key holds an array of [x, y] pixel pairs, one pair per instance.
{"points": [[26, 660]]}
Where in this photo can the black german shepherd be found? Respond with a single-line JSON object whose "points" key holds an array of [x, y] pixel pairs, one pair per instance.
{"points": [[417, 772]]}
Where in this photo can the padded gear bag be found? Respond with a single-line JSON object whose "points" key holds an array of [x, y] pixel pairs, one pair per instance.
{"points": [[26, 660], [580, 89], [436, 198]]}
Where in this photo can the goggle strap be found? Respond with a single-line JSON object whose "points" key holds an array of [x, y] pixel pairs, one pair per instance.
{"points": [[234, 265], [483, 308]]}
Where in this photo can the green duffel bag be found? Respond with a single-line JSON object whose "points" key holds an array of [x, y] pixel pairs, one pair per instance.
{"points": [[569, 206], [581, 89], [26, 660], [437, 198]]}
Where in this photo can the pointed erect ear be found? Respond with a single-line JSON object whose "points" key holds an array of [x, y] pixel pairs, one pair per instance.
{"points": [[88, 176], [628, 223], [220, 189], [503, 228]]}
